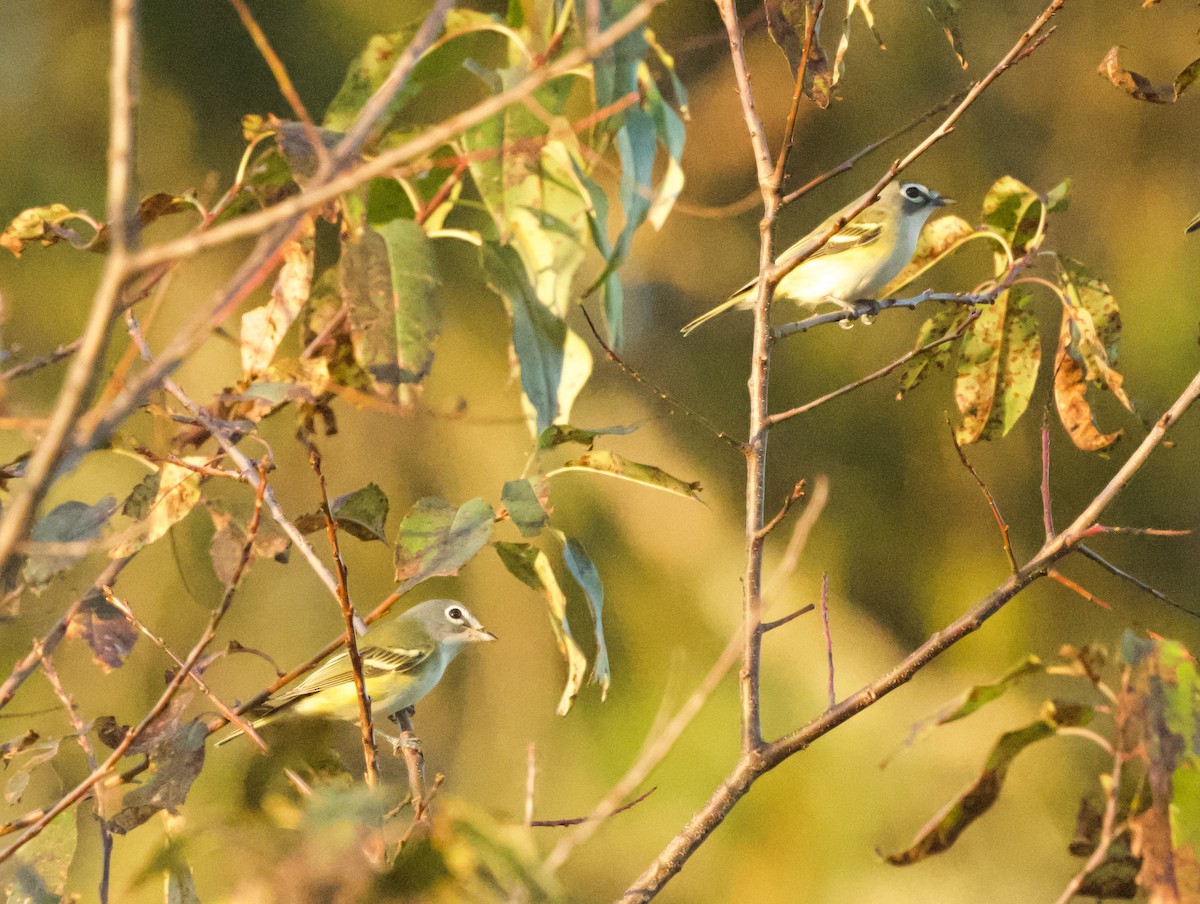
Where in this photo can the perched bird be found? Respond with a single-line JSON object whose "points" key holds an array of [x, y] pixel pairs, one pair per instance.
{"points": [[861, 258], [403, 660]]}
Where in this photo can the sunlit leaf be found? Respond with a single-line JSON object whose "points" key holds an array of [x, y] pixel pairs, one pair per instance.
{"points": [[362, 514], [524, 502], [438, 539], [1013, 210], [1139, 87], [388, 283], [365, 74], [53, 223], [940, 833], [70, 522], [1095, 326], [839, 58], [973, 699], [263, 328], [531, 566], [937, 239], [175, 762], [558, 434], [945, 13], [36, 754], [603, 462], [947, 320], [584, 570], [105, 629], [177, 494], [539, 337]]}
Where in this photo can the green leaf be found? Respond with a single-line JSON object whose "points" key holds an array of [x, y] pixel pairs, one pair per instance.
{"points": [[365, 74], [1013, 210], [583, 569], [388, 280], [947, 320], [43, 864], [945, 13], [1139, 87], [521, 499], [539, 337], [70, 522], [437, 539], [973, 699], [531, 566], [945, 828], [363, 513], [602, 462], [558, 434]]}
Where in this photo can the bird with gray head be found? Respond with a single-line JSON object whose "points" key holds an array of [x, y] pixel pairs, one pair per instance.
{"points": [[403, 659], [860, 259]]}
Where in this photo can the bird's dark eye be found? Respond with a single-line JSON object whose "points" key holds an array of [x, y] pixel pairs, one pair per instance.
{"points": [[454, 613], [913, 193]]}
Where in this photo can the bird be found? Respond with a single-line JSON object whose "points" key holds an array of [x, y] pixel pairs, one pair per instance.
{"points": [[403, 659], [860, 259]]}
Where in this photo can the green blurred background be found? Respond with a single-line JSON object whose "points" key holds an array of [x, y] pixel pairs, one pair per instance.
{"points": [[907, 540]]}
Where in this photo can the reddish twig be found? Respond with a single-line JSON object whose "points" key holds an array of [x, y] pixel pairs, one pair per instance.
{"points": [[828, 638], [578, 820], [796, 494], [1077, 588], [987, 494]]}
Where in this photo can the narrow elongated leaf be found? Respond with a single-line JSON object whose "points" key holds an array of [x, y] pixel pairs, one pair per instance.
{"points": [[973, 699], [1139, 87], [603, 462], [438, 539], [70, 522], [945, 13], [787, 21], [584, 570], [263, 329], [531, 566], [558, 434], [178, 492], [945, 828], [839, 58], [521, 499], [539, 336], [1070, 400]]}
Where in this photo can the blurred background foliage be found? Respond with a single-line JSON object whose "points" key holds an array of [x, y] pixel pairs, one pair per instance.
{"points": [[906, 539]]}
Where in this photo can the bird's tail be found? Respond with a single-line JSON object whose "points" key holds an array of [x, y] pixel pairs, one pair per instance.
{"points": [[736, 301]]}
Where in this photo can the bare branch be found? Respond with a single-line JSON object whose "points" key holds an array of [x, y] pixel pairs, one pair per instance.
{"points": [[1090, 553], [577, 820], [796, 493], [1047, 506], [828, 638], [787, 619], [987, 494], [1077, 588], [370, 755]]}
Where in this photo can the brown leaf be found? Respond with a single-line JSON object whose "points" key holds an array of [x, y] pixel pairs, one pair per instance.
{"points": [[1070, 391], [263, 328], [108, 632], [1139, 87], [175, 762]]}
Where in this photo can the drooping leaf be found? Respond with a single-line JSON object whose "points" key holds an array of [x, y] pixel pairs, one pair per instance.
{"points": [[539, 336], [558, 434], [105, 629], [177, 494], [788, 21], [973, 699], [70, 522], [937, 240], [1095, 327], [263, 328], [438, 539], [946, 321], [388, 282], [43, 864], [603, 462], [175, 761], [49, 224], [839, 58], [945, 13], [523, 501], [229, 540], [531, 566], [940, 833], [584, 570], [1139, 87]]}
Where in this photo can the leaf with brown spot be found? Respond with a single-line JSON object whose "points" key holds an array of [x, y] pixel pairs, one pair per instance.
{"points": [[175, 762], [263, 328], [105, 630], [1139, 87], [788, 22], [177, 494]]}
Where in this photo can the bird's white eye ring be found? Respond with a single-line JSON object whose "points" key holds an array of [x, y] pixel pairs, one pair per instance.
{"points": [[913, 193], [455, 614]]}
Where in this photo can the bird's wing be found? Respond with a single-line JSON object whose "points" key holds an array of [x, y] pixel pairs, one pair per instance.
{"points": [[377, 661], [857, 234]]}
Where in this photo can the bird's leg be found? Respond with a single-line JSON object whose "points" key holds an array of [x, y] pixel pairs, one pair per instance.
{"points": [[414, 761]]}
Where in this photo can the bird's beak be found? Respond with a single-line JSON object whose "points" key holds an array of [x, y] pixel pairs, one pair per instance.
{"points": [[479, 635], [1194, 225], [945, 202]]}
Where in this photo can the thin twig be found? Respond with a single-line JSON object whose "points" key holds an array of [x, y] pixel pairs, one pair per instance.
{"points": [[1112, 790], [671, 401], [370, 754], [987, 494], [89, 751], [530, 781], [872, 308], [1047, 506], [799, 539], [832, 693], [790, 617], [872, 377], [1090, 553], [279, 71], [796, 494], [1077, 588], [578, 820], [813, 15], [27, 367], [246, 728]]}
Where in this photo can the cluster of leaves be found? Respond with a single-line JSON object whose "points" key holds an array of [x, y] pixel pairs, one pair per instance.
{"points": [[1153, 734], [999, 354]]}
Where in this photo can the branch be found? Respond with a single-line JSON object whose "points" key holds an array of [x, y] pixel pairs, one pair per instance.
{"points": [[749, 768], [987, 494], [870, 309], [370, 755]]}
